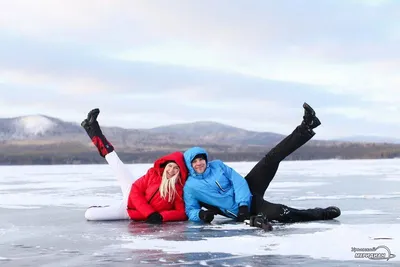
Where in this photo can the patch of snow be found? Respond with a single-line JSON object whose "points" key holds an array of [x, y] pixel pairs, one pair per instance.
{"points": [[35, 124]]}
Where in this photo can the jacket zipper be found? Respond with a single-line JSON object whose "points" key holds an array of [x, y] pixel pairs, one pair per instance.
{"points": [[148, 202], [231, 213], [220, 187], [228, 211]]}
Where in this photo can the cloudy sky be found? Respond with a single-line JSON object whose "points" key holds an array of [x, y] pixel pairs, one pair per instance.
{"points": [[250, 64]]}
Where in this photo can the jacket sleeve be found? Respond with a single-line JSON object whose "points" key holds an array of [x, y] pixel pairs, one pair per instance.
{"points": [[178, 213], [138, 192], [137, 215], [192, 206], [240, 186]]}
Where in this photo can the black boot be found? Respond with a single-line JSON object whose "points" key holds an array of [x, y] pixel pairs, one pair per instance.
{"points": [[291, 215], [310, 120], [330, 213], [93, 130]]}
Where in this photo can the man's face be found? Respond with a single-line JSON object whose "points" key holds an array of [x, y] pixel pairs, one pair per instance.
{"points": [[199, 165]]}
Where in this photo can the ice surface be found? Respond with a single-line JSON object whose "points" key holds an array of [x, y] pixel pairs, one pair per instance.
{"points": [[388, 195], [392, 178], [333, 242], [296, 184], [53, 199], [364, 212]]}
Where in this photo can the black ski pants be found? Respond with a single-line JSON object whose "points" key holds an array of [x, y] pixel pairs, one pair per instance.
{"points": [[264, 171]]}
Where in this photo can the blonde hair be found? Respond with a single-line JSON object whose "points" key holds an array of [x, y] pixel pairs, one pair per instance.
{"points": [[167, 186]]}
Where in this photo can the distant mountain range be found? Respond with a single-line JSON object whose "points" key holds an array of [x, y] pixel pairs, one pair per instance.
{"points": [[39, 128], [44, 139], [370, 139]]}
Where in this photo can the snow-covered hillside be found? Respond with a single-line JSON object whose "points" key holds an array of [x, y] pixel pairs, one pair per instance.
{"points": [[34, 125]]}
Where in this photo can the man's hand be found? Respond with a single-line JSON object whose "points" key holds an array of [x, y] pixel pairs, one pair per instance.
{"points": [[243, 213], [206, 215]]}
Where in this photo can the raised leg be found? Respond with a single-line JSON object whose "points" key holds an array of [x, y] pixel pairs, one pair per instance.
{"points": [[106, 150], [124, 176], [264, 171]]}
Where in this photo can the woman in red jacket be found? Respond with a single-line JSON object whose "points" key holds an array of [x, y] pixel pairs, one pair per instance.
{"points": [[155, 197]]}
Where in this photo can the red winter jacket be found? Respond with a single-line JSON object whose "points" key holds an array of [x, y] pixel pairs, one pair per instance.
{"points": [[145, 198]]}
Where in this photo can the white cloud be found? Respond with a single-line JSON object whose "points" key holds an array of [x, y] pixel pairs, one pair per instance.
{"points": [[373, 2], [59, 83], [42, 17], [367, 80], [374, 114]]}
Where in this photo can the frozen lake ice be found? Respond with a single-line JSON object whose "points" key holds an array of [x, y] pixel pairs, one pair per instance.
{"points": [[42, 220]]}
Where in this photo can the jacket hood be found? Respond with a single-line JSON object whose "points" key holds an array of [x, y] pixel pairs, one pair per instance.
{"points": [[176, 157], [190, 154]]}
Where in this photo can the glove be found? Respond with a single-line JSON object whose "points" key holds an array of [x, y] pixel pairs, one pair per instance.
{"points": [[206, 215], [155, 217], [243, 213], [260, 221]]}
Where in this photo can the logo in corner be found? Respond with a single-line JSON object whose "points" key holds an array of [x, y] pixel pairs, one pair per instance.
{"points": [[375, 253]]}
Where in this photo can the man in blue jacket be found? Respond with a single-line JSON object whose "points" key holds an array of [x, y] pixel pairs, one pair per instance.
{"points": [[220, 189], [216, 184]]}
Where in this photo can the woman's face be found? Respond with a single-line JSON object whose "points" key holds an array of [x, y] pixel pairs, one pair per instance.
{"points": [[171, 169]]}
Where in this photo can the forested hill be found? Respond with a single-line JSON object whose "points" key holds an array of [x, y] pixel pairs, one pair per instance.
{"points": [[45, 140]]}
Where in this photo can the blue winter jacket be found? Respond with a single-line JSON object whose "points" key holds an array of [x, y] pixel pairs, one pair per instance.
{"points": [[219, 185]]}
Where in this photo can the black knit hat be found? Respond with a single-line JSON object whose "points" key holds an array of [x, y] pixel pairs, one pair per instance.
{"points": [[200, 156]]}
